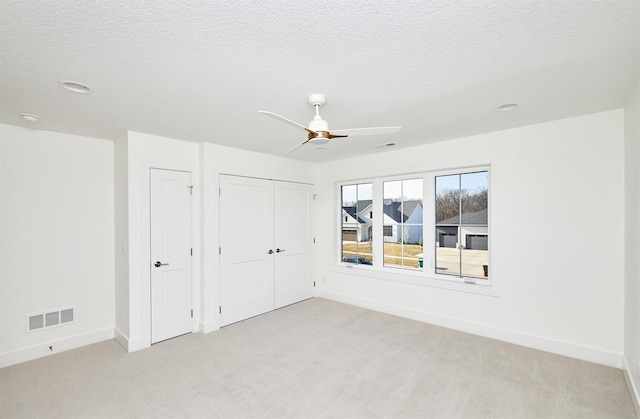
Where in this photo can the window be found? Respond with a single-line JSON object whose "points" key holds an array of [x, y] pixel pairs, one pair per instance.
{"points": [[462, 229], [357, 228], [402, 209], [454, 216]]}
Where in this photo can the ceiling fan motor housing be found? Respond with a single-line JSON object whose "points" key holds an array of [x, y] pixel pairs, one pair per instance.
{"points": [[319, 124]]}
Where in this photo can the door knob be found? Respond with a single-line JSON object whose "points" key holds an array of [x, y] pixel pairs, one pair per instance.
{"points": [[279, 250], [270, 252], [159, 264]]}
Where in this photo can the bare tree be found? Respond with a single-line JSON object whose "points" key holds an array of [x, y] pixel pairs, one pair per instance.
{"points": [[450, 201], [447, 204]]}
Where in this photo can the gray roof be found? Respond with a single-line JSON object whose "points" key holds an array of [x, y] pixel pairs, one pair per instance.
{"points": [[363, 204], [352, 212], [409, 207], [395, 210], [477, 217], [400, 213], [392, 209]]}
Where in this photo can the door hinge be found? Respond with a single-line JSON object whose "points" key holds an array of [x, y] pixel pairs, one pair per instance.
{"points": [[192, 251], [219, 191], [314, 240], [314, 284], [219, 250], [190, 190], [220, 309], [314, 196], [192, 313]]}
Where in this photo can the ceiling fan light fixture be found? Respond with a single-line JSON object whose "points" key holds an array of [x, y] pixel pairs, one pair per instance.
{"points": [[319, 139]]}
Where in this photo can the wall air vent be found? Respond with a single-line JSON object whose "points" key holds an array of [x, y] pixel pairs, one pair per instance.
{"points": [[52, 318], [36, 322], [49, 319], [66, 316]]}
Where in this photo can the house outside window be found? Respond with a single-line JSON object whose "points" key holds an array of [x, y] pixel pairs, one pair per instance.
{"points": [[402, 211], [462, 229], [455, 214], [357, 229]]}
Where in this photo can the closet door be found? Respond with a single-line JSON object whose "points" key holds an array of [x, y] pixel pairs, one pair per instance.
{"points": [[246, 239], [293, 202], [170, 254]]}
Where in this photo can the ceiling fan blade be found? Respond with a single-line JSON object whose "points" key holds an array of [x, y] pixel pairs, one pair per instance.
{"points": [[331, 135], [282, 118], [366, 131], [293, 148]]}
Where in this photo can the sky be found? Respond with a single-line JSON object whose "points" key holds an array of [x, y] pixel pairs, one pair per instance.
{"points": [[412, 189], [469, 181]]}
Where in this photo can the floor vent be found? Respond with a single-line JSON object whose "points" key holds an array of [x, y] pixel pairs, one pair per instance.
{"points": [[49, 319]]}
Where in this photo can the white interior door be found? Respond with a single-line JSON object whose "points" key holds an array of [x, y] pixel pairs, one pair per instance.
{"points": [[170, 254], [293, 203], [246, 239]]}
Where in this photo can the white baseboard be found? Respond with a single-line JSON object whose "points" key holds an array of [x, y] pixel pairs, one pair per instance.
{"points": [[121, 338], [57, 346], [207, 327], [633, 390], [137, 344], [130, 345], [518, 338]]}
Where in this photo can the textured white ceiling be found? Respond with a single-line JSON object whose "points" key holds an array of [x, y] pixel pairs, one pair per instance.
{"points": [[199, 70]]}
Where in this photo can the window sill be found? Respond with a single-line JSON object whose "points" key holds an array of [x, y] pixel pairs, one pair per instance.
{"points": [[481, 287]]}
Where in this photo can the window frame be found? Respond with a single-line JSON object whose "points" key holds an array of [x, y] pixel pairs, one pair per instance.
{"points": [[402, 178], [357, 184], [427, 276]]}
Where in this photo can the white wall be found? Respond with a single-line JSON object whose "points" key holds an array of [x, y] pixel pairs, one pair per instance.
{"points": [[632, 242], [564, 295], [216, 160], [139, 153], [121, 234], [562, 288], [56, 240]]}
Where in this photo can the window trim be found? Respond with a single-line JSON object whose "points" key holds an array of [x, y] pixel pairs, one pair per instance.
{"points": [[426, 277]]}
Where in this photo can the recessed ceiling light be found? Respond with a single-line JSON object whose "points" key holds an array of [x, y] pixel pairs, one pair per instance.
{"points": [[29, 117], [507, 107], [74, 86]]}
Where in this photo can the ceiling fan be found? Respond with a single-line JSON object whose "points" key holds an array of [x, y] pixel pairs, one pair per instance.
{"points": [[318, 129]]}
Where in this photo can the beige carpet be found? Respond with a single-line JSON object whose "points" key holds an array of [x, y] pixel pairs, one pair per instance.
{"points": [[315, 359]]}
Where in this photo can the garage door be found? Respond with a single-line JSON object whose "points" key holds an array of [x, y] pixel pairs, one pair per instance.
{"points": [[349, 235], [448, 240], [477, 242]]}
